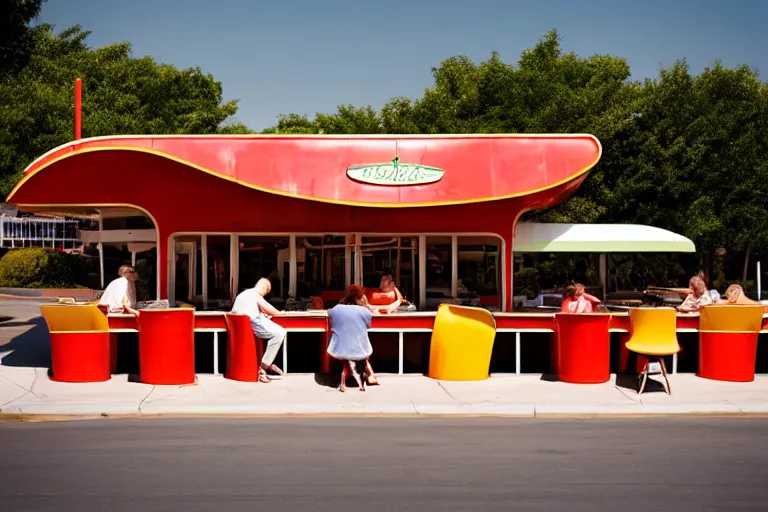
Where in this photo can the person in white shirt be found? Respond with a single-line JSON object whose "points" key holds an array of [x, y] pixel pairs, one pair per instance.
{"points": [[699, 296], [120, 295], [252, 303]]}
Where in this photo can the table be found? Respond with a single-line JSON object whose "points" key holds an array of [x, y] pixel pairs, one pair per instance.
{"points": [[402, 323]]}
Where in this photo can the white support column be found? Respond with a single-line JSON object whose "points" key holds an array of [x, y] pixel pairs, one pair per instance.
{"points": [[413, 274], [604, 274], [517, 353], [285, 354], [398, 261], [101, 249], [133, 258], [358, 259], [234, 264], [216, 353], [348, 255], [204, 264], [292, 267], [454, 267], [192, 272], [422, 272], [171, 267]]}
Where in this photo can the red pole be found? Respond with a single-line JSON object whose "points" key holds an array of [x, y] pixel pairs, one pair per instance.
{"points": [[78, 107]]}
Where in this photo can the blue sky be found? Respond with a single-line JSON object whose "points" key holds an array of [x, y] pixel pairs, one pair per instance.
{"points": [[309, 56]]}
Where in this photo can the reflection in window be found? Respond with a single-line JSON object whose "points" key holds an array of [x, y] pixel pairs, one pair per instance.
{"points": [[265, 256], [188, 285], [438, 275], [395, 256], [219, 293], [479, 271], [321, 265]]}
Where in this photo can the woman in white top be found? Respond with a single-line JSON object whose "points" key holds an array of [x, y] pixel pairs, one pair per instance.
{"points": [[120, 295]]}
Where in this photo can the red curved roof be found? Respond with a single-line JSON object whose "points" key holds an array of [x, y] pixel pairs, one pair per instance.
{"points": [[454, 169]]}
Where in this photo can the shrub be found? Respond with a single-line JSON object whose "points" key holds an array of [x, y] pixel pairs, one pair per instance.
{"points": [[41, 268], [527, 282]]}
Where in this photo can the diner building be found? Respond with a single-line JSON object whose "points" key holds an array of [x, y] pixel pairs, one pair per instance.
{"points": [[316, 213]]}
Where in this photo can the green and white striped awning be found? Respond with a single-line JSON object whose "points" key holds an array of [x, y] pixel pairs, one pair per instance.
{"points": [[532, 237]]}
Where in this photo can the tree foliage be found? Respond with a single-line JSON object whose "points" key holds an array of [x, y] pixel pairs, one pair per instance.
{"points": [[16, 35], [121, 95], [681, 152]]}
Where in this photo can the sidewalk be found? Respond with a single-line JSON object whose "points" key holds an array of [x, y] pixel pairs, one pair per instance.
{"points": [[29, 391], [25, 389], [47, 294]]}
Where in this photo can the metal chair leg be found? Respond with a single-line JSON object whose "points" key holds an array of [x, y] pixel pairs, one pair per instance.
{"points": [[644, 376], [664, 372]]}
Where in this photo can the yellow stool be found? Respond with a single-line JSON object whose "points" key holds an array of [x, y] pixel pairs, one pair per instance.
{"points": [[462, 343], [80, 344], [653, 334], [728, 336]]}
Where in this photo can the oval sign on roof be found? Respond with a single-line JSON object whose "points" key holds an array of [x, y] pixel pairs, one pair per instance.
{"points": [[395, 174]]}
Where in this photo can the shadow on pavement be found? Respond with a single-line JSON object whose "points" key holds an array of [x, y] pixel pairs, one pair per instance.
{"points": [[30, 348], [629, 381], [328, 380]]}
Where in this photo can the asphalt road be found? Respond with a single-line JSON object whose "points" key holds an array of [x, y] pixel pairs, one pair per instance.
{"points": [[385, 464]]}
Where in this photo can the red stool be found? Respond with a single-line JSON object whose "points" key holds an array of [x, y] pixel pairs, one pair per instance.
{"points": [[728, 341], [80, 346], [244, 351], [582, 351], [167, 346]]}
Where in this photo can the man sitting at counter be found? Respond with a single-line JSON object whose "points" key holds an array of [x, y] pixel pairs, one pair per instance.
{"points": [[120, 295], [252, 303]]}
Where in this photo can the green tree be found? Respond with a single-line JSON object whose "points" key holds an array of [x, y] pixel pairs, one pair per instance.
{"points": [[695, 161], [17, 38], [121, 95], [680, 152]]}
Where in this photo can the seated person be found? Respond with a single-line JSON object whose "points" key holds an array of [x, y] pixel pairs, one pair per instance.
{"points": [[120, 295], [699, 296], [252, 303], [577, 300], [350, 320], [388, 299], [735, 295], [714, 294]]}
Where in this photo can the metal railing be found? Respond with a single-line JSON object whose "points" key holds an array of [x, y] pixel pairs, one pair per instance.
{"points": [[16, 232]]}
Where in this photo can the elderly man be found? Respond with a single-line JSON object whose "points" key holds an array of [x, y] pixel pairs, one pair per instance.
{"points": [[120, 295], [252, 303]]}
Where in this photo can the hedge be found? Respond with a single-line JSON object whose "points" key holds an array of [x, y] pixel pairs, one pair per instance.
{"points": [[42, 268]]}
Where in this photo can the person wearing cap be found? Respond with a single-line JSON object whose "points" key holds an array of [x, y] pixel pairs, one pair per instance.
{"points": [[120, 295], [252, 304]]}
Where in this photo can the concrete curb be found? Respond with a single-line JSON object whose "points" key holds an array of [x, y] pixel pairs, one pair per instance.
{"points": [[73, 411], [39, 298]]}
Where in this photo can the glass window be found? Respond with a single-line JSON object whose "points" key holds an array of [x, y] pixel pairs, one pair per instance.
{"points": [[188, 284], [321, 265], [395, 256], [479, 271], [265, 256], [219, 286], [439, 268]]}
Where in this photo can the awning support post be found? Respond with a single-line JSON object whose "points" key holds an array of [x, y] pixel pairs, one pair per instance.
{"points": [[604, 274]]}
